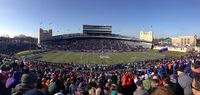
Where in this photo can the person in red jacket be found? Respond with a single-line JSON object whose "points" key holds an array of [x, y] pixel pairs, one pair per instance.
{"points": [[128, 84], [124, 79]]}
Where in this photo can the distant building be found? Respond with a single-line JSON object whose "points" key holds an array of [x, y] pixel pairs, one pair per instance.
{"points": [[198, 42], [43, 35], [146, 36], [197, 48], [183, 41]]}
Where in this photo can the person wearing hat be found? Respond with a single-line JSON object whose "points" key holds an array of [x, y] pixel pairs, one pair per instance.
{"points": [[185, 81], [28, 81]]}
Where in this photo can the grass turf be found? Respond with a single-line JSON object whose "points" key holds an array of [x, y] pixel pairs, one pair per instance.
{"points": [[99, 58]]}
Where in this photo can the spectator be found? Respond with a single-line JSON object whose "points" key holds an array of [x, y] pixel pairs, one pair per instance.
{"points": [[61, 93], [33, 92], [162, 91], [100, 89], [195, 67], [147, 83], [3, 89], [196, 85], [154, 83], [114, 89], [92, 89], [175, 87], [140, 90], [185, 81], [14, 80], [72, 88], [53, 88], [28, 81]]}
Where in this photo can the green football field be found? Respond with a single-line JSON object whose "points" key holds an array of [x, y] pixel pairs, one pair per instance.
{"points": [[96, 58]]}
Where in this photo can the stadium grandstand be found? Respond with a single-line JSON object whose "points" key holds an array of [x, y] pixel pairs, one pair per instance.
{"points": [[93, 38], [10, 46]]}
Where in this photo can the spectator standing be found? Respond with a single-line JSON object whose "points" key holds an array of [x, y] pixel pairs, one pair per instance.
{"points": [[185, 81]]}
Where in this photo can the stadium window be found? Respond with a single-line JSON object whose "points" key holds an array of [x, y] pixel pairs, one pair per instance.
{"points": [[185, 41], [181, 41], [188, 41]]}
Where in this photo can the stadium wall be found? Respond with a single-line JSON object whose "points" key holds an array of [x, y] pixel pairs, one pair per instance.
{"points": [[177, 49]]}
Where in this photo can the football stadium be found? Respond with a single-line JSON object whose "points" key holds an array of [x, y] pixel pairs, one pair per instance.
{"points": [[96, 59], [149, 47], [96, 45], [95, 38]]}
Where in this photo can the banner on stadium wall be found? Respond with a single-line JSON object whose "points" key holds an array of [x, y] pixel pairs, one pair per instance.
{"points": [[163, 49]]}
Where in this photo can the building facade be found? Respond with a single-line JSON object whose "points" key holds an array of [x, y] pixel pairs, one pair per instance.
{"points": [[146, 36], [44, 34], [184, 41]]}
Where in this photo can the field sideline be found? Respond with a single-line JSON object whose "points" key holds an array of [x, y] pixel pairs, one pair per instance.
{"points": [[97, 58]]}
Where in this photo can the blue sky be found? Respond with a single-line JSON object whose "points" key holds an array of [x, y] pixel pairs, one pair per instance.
{"points": [[168, 17]]}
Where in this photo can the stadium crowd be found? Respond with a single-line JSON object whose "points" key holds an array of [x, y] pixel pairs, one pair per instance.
{"points": [[10, 46], [169, 76], [112, 45]]}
